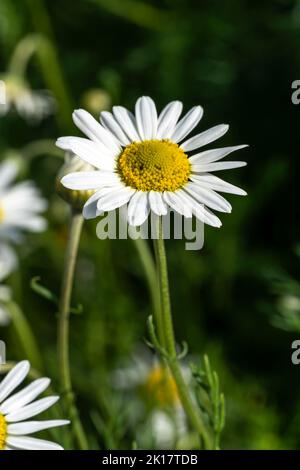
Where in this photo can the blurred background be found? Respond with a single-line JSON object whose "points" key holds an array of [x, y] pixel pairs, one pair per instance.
{"points": [[237, 299]]}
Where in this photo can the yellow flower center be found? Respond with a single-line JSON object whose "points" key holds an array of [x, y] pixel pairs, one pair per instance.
{"points": [[3, 432], [157, 165], [2, 213], [161, 387]]}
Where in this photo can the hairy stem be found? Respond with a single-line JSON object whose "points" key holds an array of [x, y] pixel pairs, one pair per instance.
{"points": [[191, 409], [64, 328], [25, 334], [149, 267]]}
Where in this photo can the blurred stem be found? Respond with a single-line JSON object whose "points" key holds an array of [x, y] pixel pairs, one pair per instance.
{"points": [[138, 12], [191, 409], [22, 54], [41, 147], [75, 229], [53, 77], [50, 64], [32, 374], [25, 334], [148, 264]]}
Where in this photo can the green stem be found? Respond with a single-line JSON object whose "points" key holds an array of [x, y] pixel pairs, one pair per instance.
{"points": [[138, 12], [41, 147], [22, 54], [192, 412], [43, 47], [148, 265], [25, 334], [32, 374], [64, 327], [50, 62]]}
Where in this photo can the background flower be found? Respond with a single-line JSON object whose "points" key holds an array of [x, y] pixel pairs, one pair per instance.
{"points": [[20, 205], [32, 105], [16, 409], [157, 417], [8, 262]]}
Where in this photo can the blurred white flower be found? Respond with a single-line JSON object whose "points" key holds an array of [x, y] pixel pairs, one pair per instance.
{"points": [[290, 302], [20, 210], [5, 296], [30, 104], [8, 262], [16, 409], [145, 161], [21, 205], [167, 428], [156, 395]]}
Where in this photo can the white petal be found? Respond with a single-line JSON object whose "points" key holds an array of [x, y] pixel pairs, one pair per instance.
{"points": [[30, 427], [187, 124], [25, 396], [213, 155], [200, 211], [112, 198], [177, 203], [93, 129], [127, 122], [25, 220], [8, 261], [110, 123], [206, 167], [8, 172], [213, 182], [138, 209], [204, 138], [13, 379], [4, 316], [31, 410], [90, 210], [146, 118], [89, 180], [91, 152], [24, 196], [168, 119], [31, 443], [208, 197], [157, 203]]}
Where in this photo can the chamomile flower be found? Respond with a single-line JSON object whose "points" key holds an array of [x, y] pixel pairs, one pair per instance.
{"points": [[16, 409], [31, 105], [156, 396], [20, 205], [146, 161], [8, 262]]}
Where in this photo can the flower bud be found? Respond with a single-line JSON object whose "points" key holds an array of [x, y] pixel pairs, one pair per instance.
{"points": [[96, 100], [73, 164]]}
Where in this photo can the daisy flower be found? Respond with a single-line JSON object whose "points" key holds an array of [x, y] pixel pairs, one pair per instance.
{"points": [[20, 205], [31, 105], [146, 161], [156, 395], [16, 409], [8, 262]]}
